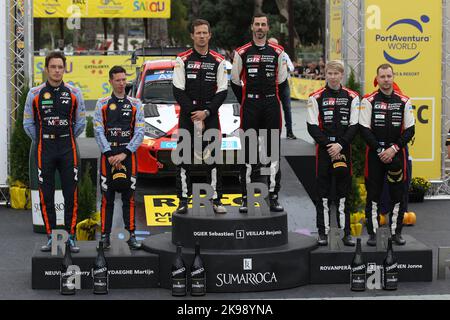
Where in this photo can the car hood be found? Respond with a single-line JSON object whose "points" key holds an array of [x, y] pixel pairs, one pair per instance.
{"points": [[168, 114]]}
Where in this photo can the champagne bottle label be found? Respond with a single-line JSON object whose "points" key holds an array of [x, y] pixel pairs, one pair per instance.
{"points": [[390, 277], [178, 286], [101, 284], [101, 271], [358, 282], [67, 286], [358, 278], [198, 287]]}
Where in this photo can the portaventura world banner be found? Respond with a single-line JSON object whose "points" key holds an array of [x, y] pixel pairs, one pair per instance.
{"points": [[101, 8], [408, 35]]}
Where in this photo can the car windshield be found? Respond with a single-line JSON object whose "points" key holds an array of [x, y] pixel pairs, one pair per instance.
{"points": [[158, 88], [158, 92]]}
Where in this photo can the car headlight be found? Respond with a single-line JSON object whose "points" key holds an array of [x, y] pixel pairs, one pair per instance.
{"points": [[153, 132]]}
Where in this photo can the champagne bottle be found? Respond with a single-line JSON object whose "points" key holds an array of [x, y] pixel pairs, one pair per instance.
{"points": [[358, 270], [198, 274], [390, 271], [67, 286], [100, 272], [178, 274]]}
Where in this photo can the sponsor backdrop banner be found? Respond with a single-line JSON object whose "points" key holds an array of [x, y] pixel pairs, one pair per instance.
{"points": [[302, 88], [408, 35], [101, 8], [90, 73], [4, 103], [335, 43]]}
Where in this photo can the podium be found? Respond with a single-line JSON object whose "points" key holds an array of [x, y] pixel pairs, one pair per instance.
{"points": [[240, 253], [415, 261], [137, 270]]}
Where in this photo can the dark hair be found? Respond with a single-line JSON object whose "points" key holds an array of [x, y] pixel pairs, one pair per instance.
{"points": [[199, 22], [116, 69], [55, 55], [260, 15], [385, 66]]}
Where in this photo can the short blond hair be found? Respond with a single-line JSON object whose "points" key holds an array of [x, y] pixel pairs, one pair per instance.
{"points": [[335, 65]]}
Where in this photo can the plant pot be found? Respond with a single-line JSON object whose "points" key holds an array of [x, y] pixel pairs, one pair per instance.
{"points": [[416, 196], [20, 197]]}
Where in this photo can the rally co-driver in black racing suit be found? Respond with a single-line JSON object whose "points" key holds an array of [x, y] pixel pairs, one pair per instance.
{"points": [[119, 131], [387, 125], [258, 75]]}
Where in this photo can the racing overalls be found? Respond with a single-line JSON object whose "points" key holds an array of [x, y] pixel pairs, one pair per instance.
{"points": [[119, 128], [53, 118], [199, 83], [332, 118], [385, 122], [258, 76]]}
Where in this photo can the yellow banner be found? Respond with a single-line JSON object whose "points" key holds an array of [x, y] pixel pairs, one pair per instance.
{"points": [[408, 35], [90, 73], [159, 208], [335, 40], [302, 88], [101, 9]]}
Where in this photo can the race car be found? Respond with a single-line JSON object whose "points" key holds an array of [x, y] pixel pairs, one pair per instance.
{"points": [[153, 87]]}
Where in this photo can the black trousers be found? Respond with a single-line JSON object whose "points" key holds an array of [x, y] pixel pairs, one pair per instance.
{"points": [[261, 113], [184, 170], [375, 173], [324, 178], [108, 195], [58, 154]]}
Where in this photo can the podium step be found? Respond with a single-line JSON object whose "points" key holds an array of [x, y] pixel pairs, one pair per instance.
{"points": [[137, 270], [274, 268], [230, 231], [415, 262]]}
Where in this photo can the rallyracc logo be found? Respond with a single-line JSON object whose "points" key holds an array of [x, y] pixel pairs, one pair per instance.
{"points": [[404, 42]]}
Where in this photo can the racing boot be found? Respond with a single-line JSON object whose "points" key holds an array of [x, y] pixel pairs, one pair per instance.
{"points": [[243, 208], [275, 206], [132, 242], [219, 207], [290, 135], [322, 240], [348, 241], [106, 241], [48, 246], [372, 240], [398, 239], [183, 206], [73, 247]]}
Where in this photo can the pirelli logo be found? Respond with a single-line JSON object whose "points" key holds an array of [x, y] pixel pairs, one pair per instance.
{"points": [[159, 208]]}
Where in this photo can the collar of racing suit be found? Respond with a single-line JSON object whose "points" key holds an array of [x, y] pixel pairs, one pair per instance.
{"points": [[117, 99], [385, 96], [203, 56], [333, 90], [259, 47], [61, 85]]}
